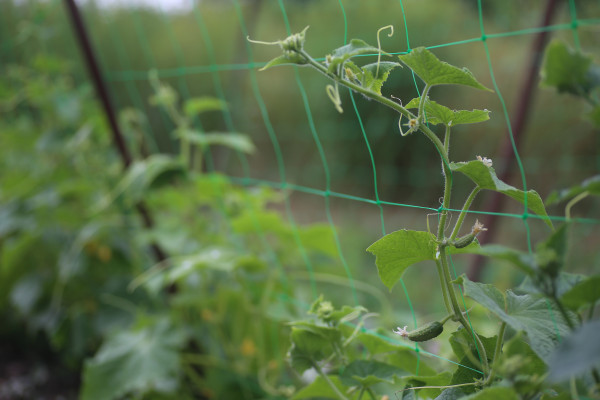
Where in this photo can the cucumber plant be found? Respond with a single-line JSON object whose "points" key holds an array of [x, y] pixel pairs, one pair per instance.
{"points": [[536, 324]]}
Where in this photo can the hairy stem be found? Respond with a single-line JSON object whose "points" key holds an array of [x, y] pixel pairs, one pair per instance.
{"points": [[458, 315], [421, 115], [381, 99], [447, 187], [444, 286], [463, 212], [497, 351]]}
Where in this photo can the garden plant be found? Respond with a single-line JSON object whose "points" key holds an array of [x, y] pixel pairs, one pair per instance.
{"points": [[230, 286], [545, 345]]}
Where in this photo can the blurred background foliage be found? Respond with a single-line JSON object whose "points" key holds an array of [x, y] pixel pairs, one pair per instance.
{"points": [[56, 159]]}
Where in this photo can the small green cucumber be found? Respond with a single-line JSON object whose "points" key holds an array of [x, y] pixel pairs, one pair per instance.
{"points": [[427, 332], [464, 241]]}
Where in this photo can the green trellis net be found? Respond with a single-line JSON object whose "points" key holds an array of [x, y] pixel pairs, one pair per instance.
{"points": [[352, 171]]}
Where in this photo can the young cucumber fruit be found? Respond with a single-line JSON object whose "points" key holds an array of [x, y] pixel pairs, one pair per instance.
{"points": [[427, 332]]}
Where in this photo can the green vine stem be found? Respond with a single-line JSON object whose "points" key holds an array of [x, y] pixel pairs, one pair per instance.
{"points": [[463, 212], [442, 148], [458, 316], [381, 99], [329, 382], [497, 351], [574, 201], [440, 272], [421, 116]]}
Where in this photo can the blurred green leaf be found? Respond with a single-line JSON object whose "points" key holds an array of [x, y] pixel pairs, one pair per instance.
{"points": [[235, 141], [142, 176], [566, 69], [578, 353], [435, 72], [461, 341], [453, 393], [494, 393], [522, 260], [535, 315], [485, 177], [320, 389], [442, 379], [582, 294], [311, 343], [366, 373], [138, 360], [519, 362], [590, 185], [199, 105], [563, 283]]}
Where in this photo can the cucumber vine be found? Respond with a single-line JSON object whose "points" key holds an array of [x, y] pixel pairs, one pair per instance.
{"points": [[539, 313]]}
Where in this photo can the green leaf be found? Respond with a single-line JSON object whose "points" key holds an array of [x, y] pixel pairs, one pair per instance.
{"points": [[366, 373], [567, 70], [354, 48], [454, 393], [407, 359], [578, 353], [382, 70], [311, 343], [466, 372], [494, 393], [521, 363], [594, 116], [215, 258], [319, 238], [563, 283], [485, 177], [524, 261], [286, 59], [439, 114], [199, 105], [461, 340], [137, 360], [442, 379], [142, 176], [233, 140], [320, 389], [533, 314], [584, 293], [590, 185], [398, 354], [399, 250], [325, 311], [435, 72], [550, 254]]}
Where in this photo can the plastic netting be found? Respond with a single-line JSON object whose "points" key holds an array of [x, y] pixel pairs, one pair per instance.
{"points": [[353, 171]]}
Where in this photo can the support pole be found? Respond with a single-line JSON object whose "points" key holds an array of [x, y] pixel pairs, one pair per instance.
{"points": [[522, 110], [100, 87]]}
